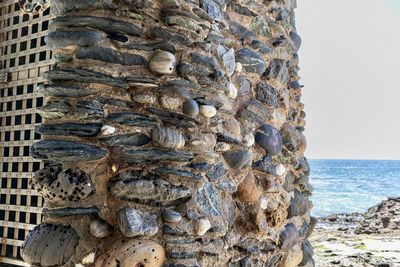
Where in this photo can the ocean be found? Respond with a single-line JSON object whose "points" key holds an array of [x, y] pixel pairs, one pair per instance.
{"points": [[346, 186]]}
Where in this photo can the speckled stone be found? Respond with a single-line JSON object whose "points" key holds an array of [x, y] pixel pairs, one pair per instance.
{"points": [[251, 60], [269, 138]]}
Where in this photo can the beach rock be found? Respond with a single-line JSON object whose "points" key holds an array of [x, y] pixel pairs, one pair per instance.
{"points": [[60, 39], [255, 112], [132, 252], [278, 71], [291, 137], [288, 236], [153, 155], [49, 245], [227, 58], [131, 139], [107, 25], [212, 9], [132, 223], [147, 190], [248, 189], [162, 63], [269, 138], [109, 55], [208, 111], [299, 205], [180, 173], [190, 108], [66, 151], [261, 47], [55, 109], [76, 129], [84, 76], [67, 212], [260, 26], [209, 200], [237, 159], [172, 216], [168, 138], [89, 109], [131, 119], [308, 252], [169, 35], [203, 225], [216, 172], [99, 228], [251, 60], [295, 39], [63, 91], [61, 186], [267, 95]]}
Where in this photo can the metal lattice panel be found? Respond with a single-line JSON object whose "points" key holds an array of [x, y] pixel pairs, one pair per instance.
{"points": [[24, 57]]}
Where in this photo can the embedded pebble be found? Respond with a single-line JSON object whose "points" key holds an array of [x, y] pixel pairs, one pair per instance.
{"points": [[89, 259], [163, 62], [168, 138], [269, 138], [172, 216], [107, 130], [237, 159], [99, 228], [191, 108], [203, 225], [233, 91], [248, 139], [208, 111], [133, 223]]}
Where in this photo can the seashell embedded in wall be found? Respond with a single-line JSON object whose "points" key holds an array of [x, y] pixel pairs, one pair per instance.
{"points": [[49, 245], [62, 186]]}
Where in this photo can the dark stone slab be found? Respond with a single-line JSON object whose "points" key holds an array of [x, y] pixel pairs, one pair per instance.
{"points": [[76, 129], [202, 166], [240, 31], [63, 91], [134, 223], [165, 46], [299, 205], [295, 39], [212, 9], [181, 173], [182, 255], [209, 200], [267, 94], [107, 25], [255, 112], [55, 109], [60, 39], [278, 70], [242, 10], [109, 55], [288, 236], [216, 172], [84, 76], [66, 151], [186, 70], [60, 7], [168, 35], [170, 115], [132, 119], [269, 138], [308, 254], [153, 155], [132, 139], [89, 109], [239, 158], [261, 47], [135, 187], [63, 212], [251, 60]]}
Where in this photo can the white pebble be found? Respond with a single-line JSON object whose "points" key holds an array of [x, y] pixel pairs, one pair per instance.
{"points": [[107, 130], [249, 139], [208, 111], [163, 62], [233, 92], [264, 203], [203, 225], [89, 259], [238, 67], [280, 170]]}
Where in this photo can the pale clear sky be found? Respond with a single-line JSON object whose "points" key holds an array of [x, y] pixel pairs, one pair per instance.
{"points": [[350, 66]]}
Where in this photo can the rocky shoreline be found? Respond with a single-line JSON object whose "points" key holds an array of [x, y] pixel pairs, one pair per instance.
{"points": [[356, 239]]}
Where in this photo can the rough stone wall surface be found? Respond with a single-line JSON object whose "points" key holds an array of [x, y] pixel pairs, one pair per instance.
{"points": [[173, 136]]}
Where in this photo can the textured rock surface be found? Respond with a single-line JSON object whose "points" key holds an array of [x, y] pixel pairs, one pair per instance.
{"points": [[184, 118]]}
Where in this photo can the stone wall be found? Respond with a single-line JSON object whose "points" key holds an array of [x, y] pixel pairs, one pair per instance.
{"points": [[173, 136]]}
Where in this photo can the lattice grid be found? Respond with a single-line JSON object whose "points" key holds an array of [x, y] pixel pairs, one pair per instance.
{"points": [[24, 57]]}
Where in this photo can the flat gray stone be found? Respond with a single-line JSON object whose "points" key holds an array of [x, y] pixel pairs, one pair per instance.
{"points": [[134, 223], [60, 39]]}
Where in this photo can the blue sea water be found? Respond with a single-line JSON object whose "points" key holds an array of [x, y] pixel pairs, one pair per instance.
{"points": [[345, 186]]}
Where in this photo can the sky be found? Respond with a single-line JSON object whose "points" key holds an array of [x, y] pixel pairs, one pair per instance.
{"points": [[350, 69]]}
